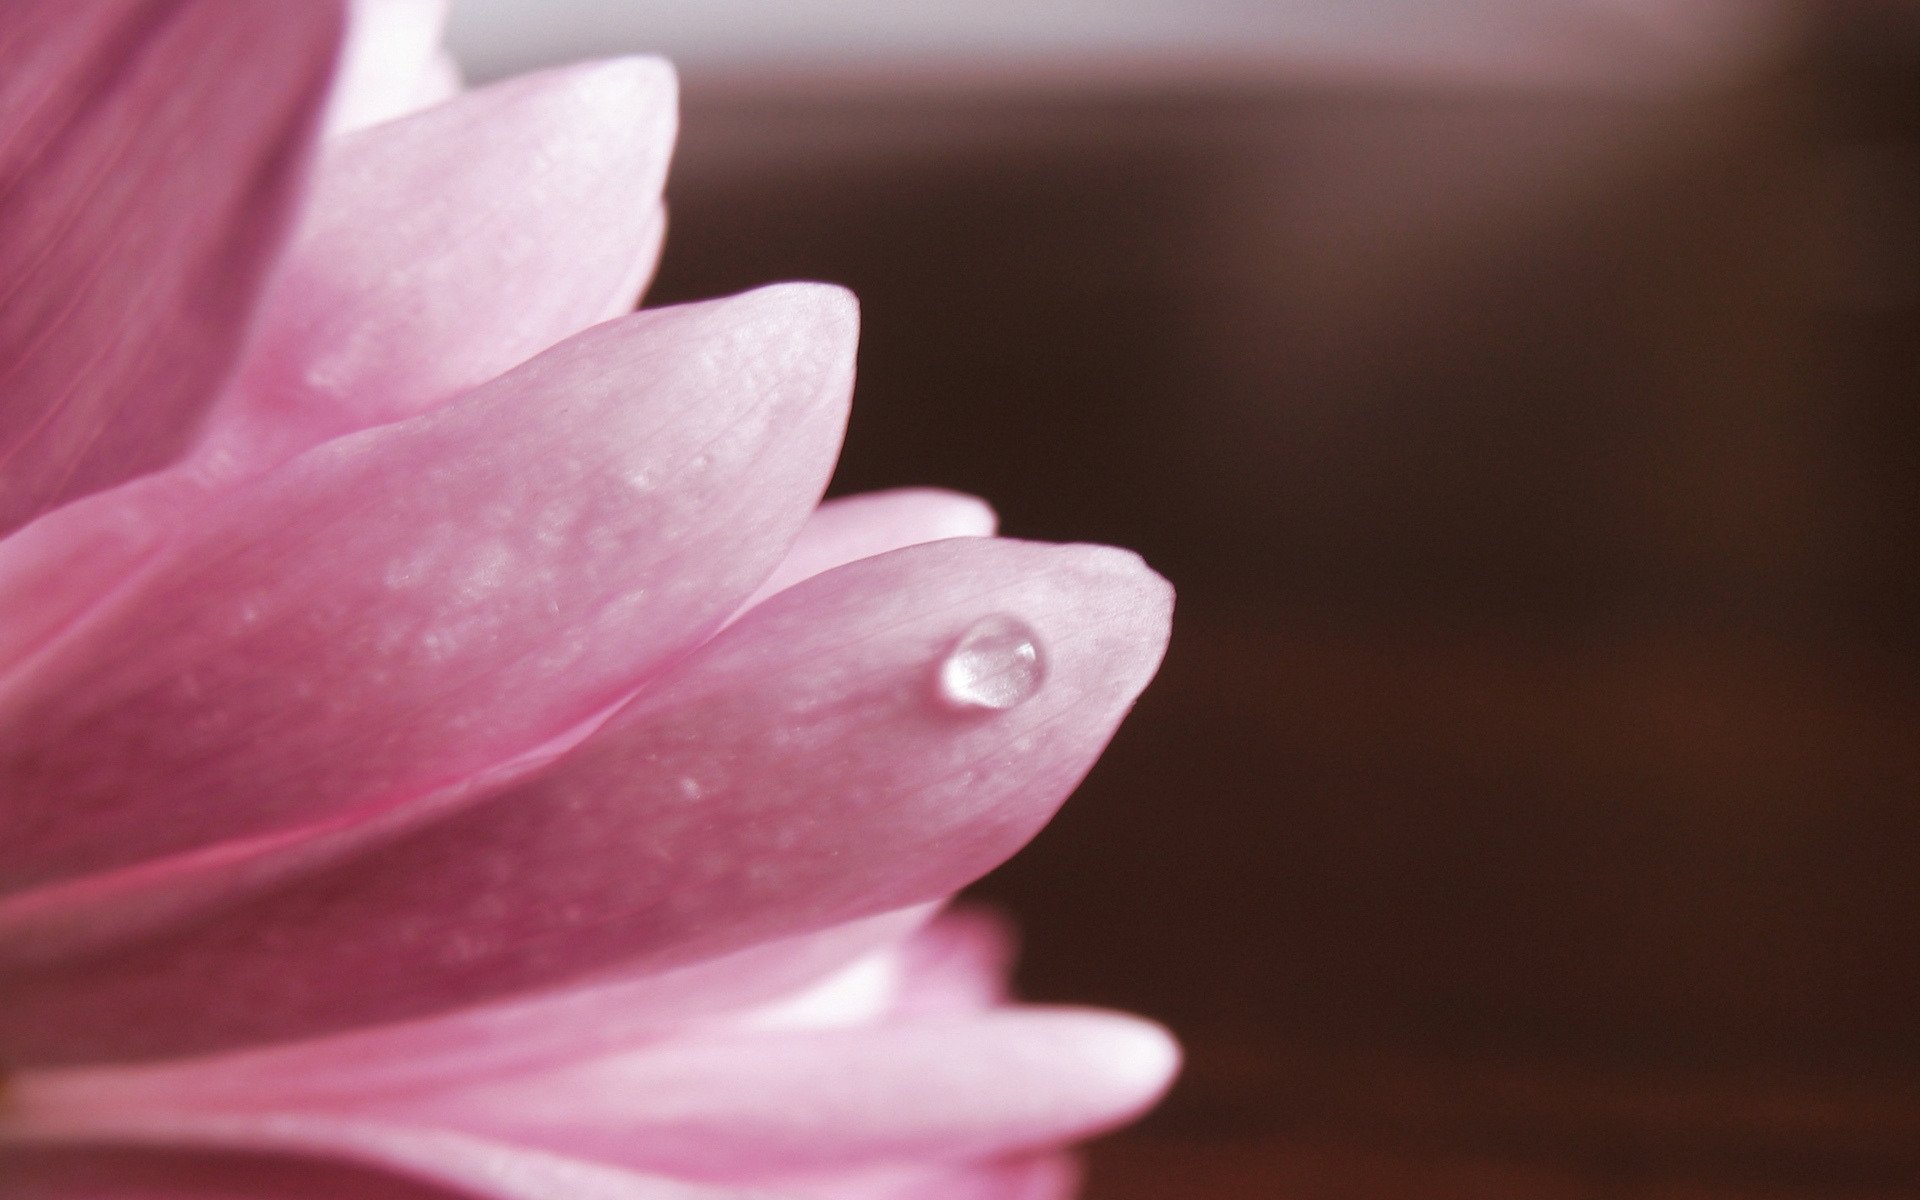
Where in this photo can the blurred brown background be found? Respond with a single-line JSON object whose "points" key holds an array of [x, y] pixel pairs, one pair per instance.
{"points": [[1528, 803]]}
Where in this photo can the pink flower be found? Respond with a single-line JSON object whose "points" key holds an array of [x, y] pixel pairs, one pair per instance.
{"points": [[444, 749]]}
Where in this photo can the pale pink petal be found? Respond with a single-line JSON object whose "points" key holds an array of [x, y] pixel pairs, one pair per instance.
{"points": [[746, 1108], [441, 250], [851, 528], [150, 158], [401, 608], [958, 963], [800, 770], [99, 1173], [632, 289], [1045, 1177], [860, 993], [391, 64], [756, 1106]]}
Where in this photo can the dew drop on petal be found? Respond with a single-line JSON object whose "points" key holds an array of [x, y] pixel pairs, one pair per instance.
{"points": [[995, 665]]}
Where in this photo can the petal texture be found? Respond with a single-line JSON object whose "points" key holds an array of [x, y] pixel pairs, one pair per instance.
{"points": [[150, 158], [397, 610], [445, 248], [800, 770]]}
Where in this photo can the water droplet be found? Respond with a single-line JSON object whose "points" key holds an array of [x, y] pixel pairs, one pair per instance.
{"points": [[995, 665]]}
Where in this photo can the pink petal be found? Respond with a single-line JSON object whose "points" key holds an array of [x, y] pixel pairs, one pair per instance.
{"points": [[391, 64], [402, 608], [150, 158], [97, 1173], [62, 565], [798, 771], [851, 528], [746, 1108], [632, 289], [959, 963], [441, 250], [753, 1107], [1044, 1177], [96, 913]]}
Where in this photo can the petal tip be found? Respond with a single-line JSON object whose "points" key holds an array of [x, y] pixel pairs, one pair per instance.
{"points": [[1127, 591], [947, 513], [1133, 1060], [824, 308], [1145, 1054], [635, 80], [797, 322]]}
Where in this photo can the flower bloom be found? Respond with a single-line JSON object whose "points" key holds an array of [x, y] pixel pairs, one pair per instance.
{"points": [[446, 748]]}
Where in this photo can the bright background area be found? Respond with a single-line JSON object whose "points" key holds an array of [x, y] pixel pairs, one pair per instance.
{"points": [[1557, 39]]}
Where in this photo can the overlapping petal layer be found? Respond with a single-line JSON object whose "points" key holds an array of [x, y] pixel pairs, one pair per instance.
{"points": [[799, 770], [860, 1096], [851, 528], [107, 908], [401, 608]]}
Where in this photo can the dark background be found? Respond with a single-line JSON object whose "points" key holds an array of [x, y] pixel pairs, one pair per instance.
{"points": [[1528, 805]]}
